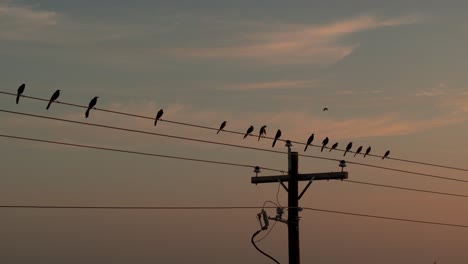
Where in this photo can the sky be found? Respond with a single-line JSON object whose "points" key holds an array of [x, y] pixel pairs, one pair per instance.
{"points": [[391, 74]]}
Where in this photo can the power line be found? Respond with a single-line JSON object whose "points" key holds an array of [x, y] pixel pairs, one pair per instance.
{"points": [[231, 145], [232, 132], [217, 162], [134, 207], [224, 163], [385, 217], [407, 189], [137, 152], [221, 208]]}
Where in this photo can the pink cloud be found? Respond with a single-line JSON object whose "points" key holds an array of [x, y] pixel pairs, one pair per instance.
{"points": [[298, 44], [281, 84]]}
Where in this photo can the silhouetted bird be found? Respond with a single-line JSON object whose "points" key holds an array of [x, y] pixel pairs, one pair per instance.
{"points": [[249, 130], [158, 116], [358, 151], [309, 141], [262, 132], [334, 146], [54, 97], [386, 154], [324, 143], [325, 109], [348, 148], [92, 103], [223, 124], [20, 92], [367, 151], [277, 136]]}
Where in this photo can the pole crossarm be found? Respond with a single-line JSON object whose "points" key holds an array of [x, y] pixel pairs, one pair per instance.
{"points": [[302, 177]]}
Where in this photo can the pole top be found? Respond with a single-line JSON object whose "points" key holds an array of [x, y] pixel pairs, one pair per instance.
{"points": [[288, 143]]}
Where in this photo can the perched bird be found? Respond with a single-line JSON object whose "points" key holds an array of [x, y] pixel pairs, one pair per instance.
{"points": [[367, 151], [309, 141], [91, 105], [348, 148], [358, 151], [277, 136], [158, 116], [325, 109], [386, 154], [249, 130], [324, 143], [262, 132], [54, 97], [221, 127], [334, 146], [20, 92]]}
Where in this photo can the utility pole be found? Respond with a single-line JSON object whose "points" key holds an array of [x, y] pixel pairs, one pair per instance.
{"points": [[293, 179]]}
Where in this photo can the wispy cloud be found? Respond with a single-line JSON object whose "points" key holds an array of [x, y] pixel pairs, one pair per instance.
{"points": [[353, 92], [273, 85], [298, 44], [25, 15]]}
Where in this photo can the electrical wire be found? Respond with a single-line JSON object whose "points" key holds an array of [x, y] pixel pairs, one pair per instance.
{"points": [[269, 231], [134, 207], [277, 194], [233, 145], [406, 189], [232, 132], [136, 152], [221, 208], [384, 217], [259, 250]]}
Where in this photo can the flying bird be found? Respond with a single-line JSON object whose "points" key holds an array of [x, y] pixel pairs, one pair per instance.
{"points": [[277, 136], [324, 143], [54, 97], [386, 154], [262, 132], [358, 151], [249, 130], [309, 141], [92, 103], [348, 148], [325, 109], [367, 151], [158, 116], [221, 127], [20, 92], [333, 147]]}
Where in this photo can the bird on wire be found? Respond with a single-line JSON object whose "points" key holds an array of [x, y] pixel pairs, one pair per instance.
{"points": [[358, 151], [20, 92], [277, 136], [309, 141], [333, 147], [249, 131], [386, 154], [54, 97], [348, 148], [158, 116], [262, 132], [367, 151], [92, 104], [222, 126], [324, 143]]}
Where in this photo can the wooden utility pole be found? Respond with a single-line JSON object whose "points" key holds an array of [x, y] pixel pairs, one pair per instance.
{"points": [[293, 179]]}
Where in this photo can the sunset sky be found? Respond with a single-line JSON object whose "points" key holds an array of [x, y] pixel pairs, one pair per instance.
{"points": [[391, 73]]}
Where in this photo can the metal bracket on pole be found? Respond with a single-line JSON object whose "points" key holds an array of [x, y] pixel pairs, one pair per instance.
{"points": [[307, 187], [284, 186]]}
